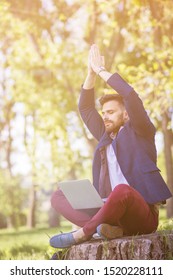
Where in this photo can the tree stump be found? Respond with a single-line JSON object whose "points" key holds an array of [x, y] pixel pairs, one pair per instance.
{"points": [[155, 246]]}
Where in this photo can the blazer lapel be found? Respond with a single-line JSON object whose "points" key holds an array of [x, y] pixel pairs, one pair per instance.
{"points": [[104, 141]]}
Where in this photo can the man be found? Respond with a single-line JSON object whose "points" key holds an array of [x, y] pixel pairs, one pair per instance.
{"points": [[124, 166]]}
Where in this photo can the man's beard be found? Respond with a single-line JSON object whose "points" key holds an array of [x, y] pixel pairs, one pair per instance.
{"points": [[113, 129]]}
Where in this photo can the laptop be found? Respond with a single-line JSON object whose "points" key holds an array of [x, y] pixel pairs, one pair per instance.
{"points": [[81, 194]]}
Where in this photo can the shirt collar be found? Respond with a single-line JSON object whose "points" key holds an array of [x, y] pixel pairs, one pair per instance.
{"points": [[113, 136]]}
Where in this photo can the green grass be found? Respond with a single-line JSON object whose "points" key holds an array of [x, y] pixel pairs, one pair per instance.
{"points": [[24, 244], [164, 223]]}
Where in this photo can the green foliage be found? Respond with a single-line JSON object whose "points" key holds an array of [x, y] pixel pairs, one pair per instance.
{"points": [[43, 62]]}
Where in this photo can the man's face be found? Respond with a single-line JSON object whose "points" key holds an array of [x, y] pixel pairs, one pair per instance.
{"points": [[114, 116]]}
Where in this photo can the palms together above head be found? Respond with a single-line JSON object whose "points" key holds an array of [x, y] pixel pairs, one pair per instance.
{"points": [[95, 58]]}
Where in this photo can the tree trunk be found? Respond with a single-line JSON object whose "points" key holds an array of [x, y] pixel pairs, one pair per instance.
{"points": [[54, 218], [31, 219], [32, 207], [155, 246], [9, 222], [168, 136]]}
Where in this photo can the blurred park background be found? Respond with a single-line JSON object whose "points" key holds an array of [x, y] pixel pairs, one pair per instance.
{"points": [[43, 62]]}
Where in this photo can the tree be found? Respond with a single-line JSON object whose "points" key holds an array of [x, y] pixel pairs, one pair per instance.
{"points": [[44, 46]]}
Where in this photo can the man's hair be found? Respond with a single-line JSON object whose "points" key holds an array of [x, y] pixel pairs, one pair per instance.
{"points": [[109, 97]]}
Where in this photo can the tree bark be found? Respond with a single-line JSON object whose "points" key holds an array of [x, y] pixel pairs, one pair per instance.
{"points": [[168, 136], [31, 221], [155, 246]]}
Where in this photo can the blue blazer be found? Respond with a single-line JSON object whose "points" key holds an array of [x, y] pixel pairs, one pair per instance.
{"points": [[134, 145]]}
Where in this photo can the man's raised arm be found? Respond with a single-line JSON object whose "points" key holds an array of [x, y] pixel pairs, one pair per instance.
{"points": [[87, 109], [134, 106], [91, 77]]}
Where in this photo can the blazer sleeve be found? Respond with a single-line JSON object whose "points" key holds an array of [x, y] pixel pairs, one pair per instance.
{"points": [[134, 106], [89, 114]]}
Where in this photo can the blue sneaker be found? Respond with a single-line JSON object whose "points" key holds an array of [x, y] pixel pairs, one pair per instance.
{"points": [[63, 240]]}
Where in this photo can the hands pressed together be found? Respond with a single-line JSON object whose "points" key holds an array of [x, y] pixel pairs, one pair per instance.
{"points": [[96, 65], [95, 60]]}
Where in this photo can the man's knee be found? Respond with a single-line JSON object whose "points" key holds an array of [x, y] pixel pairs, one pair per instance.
{"points": [[123, 188], [57, 198], [123, 191], [126, 193], [54, 198]]}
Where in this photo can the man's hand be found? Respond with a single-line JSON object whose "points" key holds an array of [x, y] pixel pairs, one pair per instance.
{"points": [[95, 61], [95, 58], [90, 70], [91, 76]]}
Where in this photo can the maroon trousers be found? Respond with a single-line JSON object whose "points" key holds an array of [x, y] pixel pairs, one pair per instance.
{"points": [[124, 207]]}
